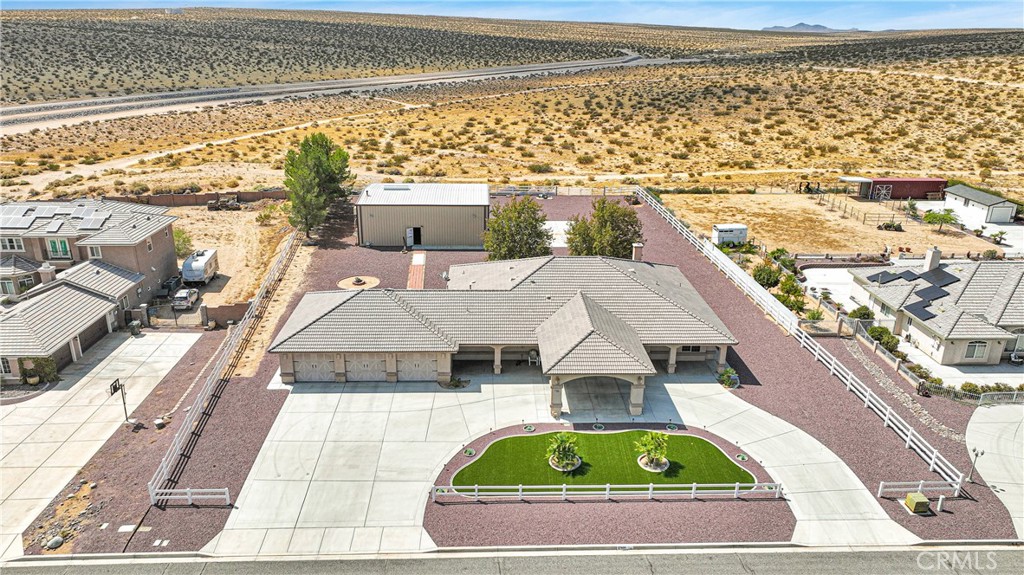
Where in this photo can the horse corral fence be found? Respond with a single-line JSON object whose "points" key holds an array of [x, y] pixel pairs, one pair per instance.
{"points": [[184, 437], [789, 322], [901, 488], [607, 491]]}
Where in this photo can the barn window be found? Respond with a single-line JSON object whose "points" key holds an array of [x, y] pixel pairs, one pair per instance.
{"points": [[977, 350]]}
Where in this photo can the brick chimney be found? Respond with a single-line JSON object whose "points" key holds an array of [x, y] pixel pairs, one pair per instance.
{"points": [[638, 252], [931, 258], [47, 273]]}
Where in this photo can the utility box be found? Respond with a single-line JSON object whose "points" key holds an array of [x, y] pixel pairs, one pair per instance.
{"points": [[917, 503], [728, 234], [135, 327]]}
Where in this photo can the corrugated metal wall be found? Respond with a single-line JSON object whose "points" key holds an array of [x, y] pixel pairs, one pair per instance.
{"points": [[441, 225]]}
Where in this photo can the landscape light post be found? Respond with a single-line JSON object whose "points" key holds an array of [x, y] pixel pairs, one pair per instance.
{"points": [[977, 453]]}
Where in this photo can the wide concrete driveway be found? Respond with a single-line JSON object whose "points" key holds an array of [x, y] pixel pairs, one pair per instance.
{"points": [[999, 431], [348, 467], [47, 439]]}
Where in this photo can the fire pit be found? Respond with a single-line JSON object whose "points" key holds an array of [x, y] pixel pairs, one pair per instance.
{"points": [[359, 282]]}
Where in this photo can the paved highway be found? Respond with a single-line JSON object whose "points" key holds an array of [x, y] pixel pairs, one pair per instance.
{"points": [[966, 559]]}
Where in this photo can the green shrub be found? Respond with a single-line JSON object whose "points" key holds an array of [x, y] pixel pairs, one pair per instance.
{"points": [[814, 314], [863, 312], [767, 275], [969, 387], [890, 343], [563, 450]]}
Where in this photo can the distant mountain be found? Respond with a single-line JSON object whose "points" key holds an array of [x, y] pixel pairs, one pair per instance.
{"points": [[807, 28]]}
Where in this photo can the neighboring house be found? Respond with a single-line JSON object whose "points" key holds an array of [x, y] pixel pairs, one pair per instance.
{"points": [[574, 316], [59, 235], [959, 313], [897, 188], [72, 270], [423, 215], [976, 207]]}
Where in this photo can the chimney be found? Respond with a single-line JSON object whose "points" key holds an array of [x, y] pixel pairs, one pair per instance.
{"points": [[931, 258], [47, 273], [638, 252]]}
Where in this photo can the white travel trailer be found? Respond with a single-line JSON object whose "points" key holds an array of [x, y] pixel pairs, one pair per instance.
{"points": [[728, 234], [200, 267]]}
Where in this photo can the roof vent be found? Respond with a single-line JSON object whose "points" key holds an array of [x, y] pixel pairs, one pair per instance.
{"points": [[632, 270]]}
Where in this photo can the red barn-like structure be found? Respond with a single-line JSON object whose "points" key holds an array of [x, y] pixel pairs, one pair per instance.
{"points": [[898, 188]]}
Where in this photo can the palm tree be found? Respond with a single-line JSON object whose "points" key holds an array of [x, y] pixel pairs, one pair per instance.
{"points": [[562, 451], [654, 447]]}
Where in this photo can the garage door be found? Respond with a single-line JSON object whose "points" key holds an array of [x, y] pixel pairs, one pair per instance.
{"points": [[93, 334], [1001, 215], [417, 367], [365, 367], [314, 367]]}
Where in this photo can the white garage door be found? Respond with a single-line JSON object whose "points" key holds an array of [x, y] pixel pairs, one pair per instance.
{"points": [[417, 367], [314, 367], [1001, 215], [365, 367]]}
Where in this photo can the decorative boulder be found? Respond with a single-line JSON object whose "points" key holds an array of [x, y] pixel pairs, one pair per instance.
{"points": [[55, 542]]}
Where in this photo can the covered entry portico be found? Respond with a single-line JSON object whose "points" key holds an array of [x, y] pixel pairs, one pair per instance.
{"points": [[636, 390]]}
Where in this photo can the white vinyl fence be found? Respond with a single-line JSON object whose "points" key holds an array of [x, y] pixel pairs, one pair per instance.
{"points": [[785, 318], [182, 438], [607, 492], [901, 488]]}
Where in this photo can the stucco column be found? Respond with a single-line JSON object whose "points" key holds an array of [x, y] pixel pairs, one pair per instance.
{"points": [[287, 368], [339, 368], [672, 350], [636, 396], [556, 397], [497, 358], [722, 350], [444, 367], [391, 362]]}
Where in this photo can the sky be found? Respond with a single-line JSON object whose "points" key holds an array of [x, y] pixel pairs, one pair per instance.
{"points": [[864, 14]]}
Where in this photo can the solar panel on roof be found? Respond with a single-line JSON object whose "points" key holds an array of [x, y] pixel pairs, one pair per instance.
{"points": [[45, 211], [91, 223], [63, 211], [54, 226], [17, 223], [882, 277], [908, 275], [939, 277], [14, 211], [918, 310], [82, 212], [931, 293]]}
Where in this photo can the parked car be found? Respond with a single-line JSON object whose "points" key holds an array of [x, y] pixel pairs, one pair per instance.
{"points": [[185, 298]]}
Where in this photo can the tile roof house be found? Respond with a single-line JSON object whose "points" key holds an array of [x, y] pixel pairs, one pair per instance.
{"points": [[69, 270], [575, 316], [959, 313]]}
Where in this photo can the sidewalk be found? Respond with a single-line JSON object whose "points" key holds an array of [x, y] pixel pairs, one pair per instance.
{"points": [[48, 438]]}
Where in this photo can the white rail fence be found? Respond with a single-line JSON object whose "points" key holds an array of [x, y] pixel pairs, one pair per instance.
{"points": [[607, 491], [994, 397], [901, 488], [184, 435], [788, 321]]}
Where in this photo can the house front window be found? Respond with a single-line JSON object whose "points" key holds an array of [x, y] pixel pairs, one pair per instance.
{"points": [[977, 350], [886, 310], [1018, 344], [5, 366], [58, 249], [25, 283], [689, 348], [95, 253], [7, 287], [11, 245]]}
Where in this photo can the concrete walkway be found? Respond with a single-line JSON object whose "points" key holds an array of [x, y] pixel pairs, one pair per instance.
{"points": [[999, 431], [47, 439], [348, 467]]}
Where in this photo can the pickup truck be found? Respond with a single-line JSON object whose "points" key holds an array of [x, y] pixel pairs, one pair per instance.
{"points": [[185, 298]]}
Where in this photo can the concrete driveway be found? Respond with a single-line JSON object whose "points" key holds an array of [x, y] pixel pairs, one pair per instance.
{"points": [[47, 439], [999, 431], [348, 467]]}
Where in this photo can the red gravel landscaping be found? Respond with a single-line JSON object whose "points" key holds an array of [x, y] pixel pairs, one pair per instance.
{"points": [[784, 380], [598, 522]]}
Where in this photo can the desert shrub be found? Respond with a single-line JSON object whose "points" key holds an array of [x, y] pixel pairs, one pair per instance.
{"points": [[814, 314], [990, 255], [767, 275], [540, 168], [182, 243]]}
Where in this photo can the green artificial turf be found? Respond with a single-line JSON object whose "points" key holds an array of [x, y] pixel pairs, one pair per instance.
{"points": [[607, 458]]}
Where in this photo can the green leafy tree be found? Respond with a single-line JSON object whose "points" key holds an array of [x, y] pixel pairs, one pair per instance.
{"points": [[563, 450], [320, 158], [182, 243], [946, 217], [308, 204], [790, 286], [611, 230], [767, 275], [653, 446], [516, 230]]}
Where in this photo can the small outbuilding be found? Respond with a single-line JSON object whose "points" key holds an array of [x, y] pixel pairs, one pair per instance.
{"points": [[897, 188], [423, 215], [975, 205], [728, 234]]}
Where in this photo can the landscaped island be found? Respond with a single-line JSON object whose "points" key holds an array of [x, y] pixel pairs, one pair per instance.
{"points": [[606, 458]]}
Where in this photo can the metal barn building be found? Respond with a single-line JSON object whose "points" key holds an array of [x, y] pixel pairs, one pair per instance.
{"points": [[423, 215], [898, 188]]}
